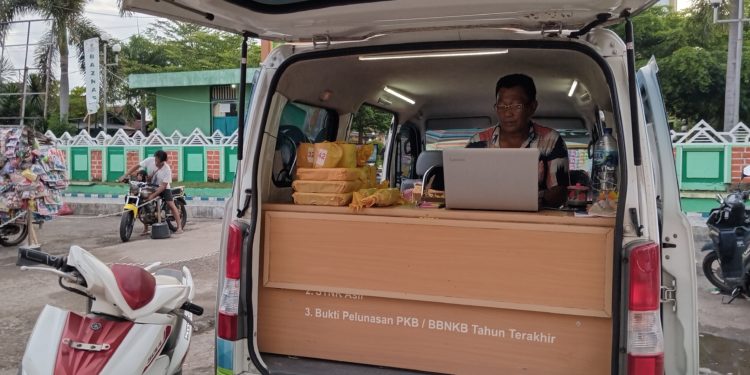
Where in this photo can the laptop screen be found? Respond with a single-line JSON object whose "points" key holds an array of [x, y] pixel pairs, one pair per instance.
{"points": [[492, 179]]}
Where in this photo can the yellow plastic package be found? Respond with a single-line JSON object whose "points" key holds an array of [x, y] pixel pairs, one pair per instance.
{"points": [[335, 187], [328, 174], [376, 197], [327, 155], [349, 157], [322, 199], [31, 176], [363, 153], [305, 155]]}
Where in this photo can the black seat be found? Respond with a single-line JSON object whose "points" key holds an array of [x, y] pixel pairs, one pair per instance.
{"points": [[285, 161], [425, 161]]}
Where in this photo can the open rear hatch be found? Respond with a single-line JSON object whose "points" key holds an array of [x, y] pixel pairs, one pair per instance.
{"points": [[305, 20]]}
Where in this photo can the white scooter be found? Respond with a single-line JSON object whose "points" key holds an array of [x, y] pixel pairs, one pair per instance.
{"points": [[138, 320]]}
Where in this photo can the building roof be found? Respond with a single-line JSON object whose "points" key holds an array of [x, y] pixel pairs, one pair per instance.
{"points": [[192, 78]]}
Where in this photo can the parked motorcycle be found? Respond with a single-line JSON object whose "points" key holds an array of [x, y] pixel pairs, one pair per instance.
{"points": [[138, 320], [13, 233], [727, 265], [152, 212]]}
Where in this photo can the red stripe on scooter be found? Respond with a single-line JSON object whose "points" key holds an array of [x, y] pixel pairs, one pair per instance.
{"points": [[159, 347], [90, 330]]}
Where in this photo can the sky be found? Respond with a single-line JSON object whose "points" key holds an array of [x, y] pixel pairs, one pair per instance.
{"points": [[105, 15]]}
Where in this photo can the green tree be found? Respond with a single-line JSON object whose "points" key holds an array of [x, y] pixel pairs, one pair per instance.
{"points": [[68, 27], [369, 121], [692, 84], [170, 46], [691, 51]]}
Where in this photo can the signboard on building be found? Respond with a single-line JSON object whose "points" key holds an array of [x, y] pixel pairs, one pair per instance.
{"points": [[91, 52]]}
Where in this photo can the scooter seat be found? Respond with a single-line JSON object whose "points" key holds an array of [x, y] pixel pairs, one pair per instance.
{"points": [[136, 285], [167, 280]]}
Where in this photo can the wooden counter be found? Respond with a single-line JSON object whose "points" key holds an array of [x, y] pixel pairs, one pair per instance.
{"points": [[344, 285], [541, 217]]}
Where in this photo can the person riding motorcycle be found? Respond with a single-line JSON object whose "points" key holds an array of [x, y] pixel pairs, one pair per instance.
{"points": [[160, 174]]}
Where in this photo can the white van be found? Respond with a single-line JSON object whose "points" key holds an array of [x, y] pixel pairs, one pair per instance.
{"points": [[402, 290]]}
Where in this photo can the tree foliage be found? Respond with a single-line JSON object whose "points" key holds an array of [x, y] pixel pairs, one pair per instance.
{"points": [[170, 46], [691, 52], [371, 122]]}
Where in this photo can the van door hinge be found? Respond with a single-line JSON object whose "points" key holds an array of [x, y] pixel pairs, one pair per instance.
{"points": [[552, 29], [321, 41], [669, 295]]}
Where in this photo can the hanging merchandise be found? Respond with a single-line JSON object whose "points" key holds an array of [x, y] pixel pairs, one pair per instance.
{"points": [[32, 176]]}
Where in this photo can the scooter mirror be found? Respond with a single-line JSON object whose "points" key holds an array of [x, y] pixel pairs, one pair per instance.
{"points": [[746, 171]]}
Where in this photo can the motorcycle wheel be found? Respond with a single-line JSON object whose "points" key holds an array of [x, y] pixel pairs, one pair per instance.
{"points": [[712, 270], [126, 226], [13, 234], [170, 218]]}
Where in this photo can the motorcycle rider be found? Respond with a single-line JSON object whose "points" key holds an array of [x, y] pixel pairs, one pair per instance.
{"points": [[160, 174]]}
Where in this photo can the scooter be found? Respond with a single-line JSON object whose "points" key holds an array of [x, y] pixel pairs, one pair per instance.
{"points": [[138, 320], [727, 265]]}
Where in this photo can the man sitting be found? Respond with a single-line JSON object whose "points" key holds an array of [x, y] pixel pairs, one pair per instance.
{"points": [[515, 103], [159, 174]]}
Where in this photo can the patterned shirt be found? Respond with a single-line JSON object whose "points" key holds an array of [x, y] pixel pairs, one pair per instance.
{"points": [[553, 155]]}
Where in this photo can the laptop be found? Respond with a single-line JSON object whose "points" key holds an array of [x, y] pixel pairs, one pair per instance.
{"points": [[491, 178]]}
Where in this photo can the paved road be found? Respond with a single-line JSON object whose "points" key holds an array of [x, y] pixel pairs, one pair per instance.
{"points": [[725, 329], [25, 293]]}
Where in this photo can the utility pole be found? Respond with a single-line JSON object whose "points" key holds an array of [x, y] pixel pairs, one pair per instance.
{"points": [[116, 49], [734, 60], [104, 107]]}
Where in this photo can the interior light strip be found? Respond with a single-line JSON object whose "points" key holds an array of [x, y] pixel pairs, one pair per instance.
{"points": [[399, 95], [573, 87], [431, 54]]}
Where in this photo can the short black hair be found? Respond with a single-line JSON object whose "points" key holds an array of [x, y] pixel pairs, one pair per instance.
{"points": [[517, 80], [161, 155], [143, 174]]}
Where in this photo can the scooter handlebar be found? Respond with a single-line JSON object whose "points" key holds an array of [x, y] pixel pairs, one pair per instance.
{"points": [[193, 308], [26, 255]]}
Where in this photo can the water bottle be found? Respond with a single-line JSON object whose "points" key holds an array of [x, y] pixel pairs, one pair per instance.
{"points": [[604, 170]]}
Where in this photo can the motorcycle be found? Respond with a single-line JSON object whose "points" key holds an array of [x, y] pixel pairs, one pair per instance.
{"points": [[152, 212], [727, 265], [137, 321], [16, 230], [13, 233]]}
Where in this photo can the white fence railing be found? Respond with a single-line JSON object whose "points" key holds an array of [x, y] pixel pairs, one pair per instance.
{"points": [[702, 133], [195, 138]]}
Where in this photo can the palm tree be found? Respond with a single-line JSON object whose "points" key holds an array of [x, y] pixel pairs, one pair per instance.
{"points": [[68, 27], [6, 69]]}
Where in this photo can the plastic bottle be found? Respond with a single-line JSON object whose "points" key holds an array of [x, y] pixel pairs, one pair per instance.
{"points": [[605, 163]]}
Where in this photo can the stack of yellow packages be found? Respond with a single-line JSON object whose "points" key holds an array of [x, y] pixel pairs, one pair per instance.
{"points": [[328, 173]]}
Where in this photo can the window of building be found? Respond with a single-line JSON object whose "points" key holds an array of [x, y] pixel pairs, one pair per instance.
{"points": [[224, 108]]}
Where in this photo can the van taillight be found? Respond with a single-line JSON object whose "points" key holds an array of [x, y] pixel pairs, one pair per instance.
{"points": [[645, 335], [230, 293]]}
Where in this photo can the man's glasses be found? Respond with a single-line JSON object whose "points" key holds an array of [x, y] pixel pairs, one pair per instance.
{"points": [[509, 107]]}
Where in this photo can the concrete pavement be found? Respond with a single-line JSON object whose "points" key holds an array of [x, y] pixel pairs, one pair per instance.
{"points": [[25, 293]]}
